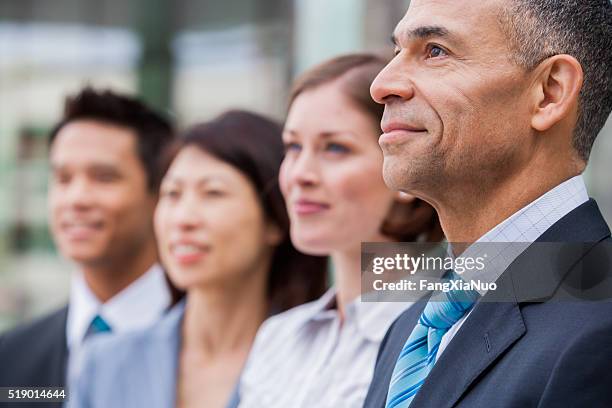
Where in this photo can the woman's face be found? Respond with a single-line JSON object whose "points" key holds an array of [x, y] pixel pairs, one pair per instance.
{"points": [[209, 223], [331, 176]]}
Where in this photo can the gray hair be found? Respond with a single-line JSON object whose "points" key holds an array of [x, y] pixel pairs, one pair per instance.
{"points": [[539, 29]]}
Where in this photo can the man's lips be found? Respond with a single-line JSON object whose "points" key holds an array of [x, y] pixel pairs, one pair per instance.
{"points": [[308, 207], [80, 230], [388, 127], [395, 132]]}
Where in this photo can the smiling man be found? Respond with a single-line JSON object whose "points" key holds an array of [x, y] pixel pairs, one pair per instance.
{"points": [[491, 110], [102, 192]]}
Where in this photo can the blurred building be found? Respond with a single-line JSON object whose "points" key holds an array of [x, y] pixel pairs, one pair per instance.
{"points": [[192, 58]]}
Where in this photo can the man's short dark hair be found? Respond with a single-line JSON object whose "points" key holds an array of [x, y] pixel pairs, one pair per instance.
{"points": [[153, 131], [538, 29]]}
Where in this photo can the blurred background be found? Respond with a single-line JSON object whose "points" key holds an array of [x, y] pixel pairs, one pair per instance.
{"points": [[191, 58]]}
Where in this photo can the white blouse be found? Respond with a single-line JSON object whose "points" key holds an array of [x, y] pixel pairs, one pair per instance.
{"points": [[305, 358]]}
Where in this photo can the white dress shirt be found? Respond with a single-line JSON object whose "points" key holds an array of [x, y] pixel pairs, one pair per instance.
{"points": [[137, 306], [518, 231], [307, 357]]}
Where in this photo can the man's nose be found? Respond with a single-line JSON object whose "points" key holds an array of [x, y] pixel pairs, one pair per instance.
{"points": [[393, 82], [79, 194]]}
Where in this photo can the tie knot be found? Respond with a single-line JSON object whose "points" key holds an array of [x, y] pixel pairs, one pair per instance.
{"points": [[98, 325], [444, 309]]}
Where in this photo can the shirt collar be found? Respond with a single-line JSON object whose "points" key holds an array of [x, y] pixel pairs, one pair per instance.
{"points": [[135, 307], [507, 240], [372, 319]]}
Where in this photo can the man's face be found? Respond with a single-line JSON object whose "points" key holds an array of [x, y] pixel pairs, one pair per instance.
{"points": [[100, 208], [455, 112]]}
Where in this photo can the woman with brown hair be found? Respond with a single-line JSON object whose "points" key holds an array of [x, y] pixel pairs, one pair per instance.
{"points": [[322, 354], [223, 235]]}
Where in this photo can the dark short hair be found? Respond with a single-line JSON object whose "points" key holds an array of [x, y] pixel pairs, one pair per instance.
{"points": [[538, 29], [253, 145], [413, 221], [153, 131]]}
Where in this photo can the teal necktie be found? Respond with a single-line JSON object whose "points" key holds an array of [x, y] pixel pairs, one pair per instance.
{"points": [[98, 325], [418, 355]]}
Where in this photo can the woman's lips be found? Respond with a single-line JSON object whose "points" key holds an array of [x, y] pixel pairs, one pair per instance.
{"points": [[188, 253], [304, 207]]}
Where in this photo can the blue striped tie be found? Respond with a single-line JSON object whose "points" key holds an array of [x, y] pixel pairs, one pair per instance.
{"points": [[418, 355]]}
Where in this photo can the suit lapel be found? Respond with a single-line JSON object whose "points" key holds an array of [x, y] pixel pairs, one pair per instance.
{"points": [[496, 322], [161, 360], [60, 375], [391, 347], [54, 371], [490, 330], [161, 374]]}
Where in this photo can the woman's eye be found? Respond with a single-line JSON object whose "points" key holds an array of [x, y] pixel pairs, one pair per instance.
{"points": [[435, 51], [169, 194], [336, 148], [292, 146], [214, 193]]}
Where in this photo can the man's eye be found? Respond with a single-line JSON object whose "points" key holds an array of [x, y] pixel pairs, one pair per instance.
{"points": [[105, 177], [435, 51], [61, 178], [396, 51]]}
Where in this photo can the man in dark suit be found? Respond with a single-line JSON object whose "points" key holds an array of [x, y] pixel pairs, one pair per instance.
{"points": [[105, 173], [491, 110]]}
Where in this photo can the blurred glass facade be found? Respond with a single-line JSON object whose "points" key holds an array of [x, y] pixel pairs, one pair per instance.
{"points": [[192, 58]]}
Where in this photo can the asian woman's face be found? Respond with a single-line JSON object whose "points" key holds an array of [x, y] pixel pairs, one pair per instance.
{"points": [[331, 176], [209, 222]]}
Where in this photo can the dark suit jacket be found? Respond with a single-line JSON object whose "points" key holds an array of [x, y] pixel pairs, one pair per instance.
{"points": [[35, 355], [524, 353]]}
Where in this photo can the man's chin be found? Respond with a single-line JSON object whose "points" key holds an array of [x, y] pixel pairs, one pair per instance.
{"points": [[395, 174], [87, 258], [412, 174]]}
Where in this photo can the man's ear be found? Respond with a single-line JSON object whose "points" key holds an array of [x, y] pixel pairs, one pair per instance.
{"points": [[556, 90]]}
